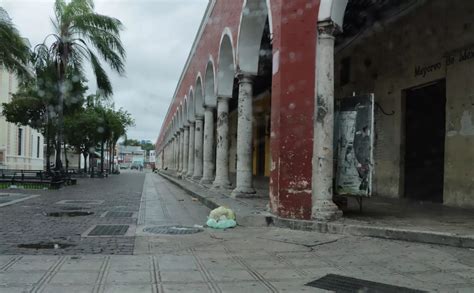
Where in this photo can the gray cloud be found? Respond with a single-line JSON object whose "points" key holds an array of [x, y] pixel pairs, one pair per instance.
{"points": [[158, 37]]}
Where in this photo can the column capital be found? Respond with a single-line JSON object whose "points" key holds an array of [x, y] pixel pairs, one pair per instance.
{"points": [[191, 123], [327, 29], [207, 107], [200, 117], [224, 98], [245, 77], [186, 127]]}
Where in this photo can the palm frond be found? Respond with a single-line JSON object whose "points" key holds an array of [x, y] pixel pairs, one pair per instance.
{"points": [[14, 52], [102, 80]]}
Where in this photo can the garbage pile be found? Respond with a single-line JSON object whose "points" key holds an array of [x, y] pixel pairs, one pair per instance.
{"points": [[221, 218]]}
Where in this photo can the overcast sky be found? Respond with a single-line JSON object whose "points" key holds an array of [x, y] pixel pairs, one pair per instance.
{"points": [[158, 37]]}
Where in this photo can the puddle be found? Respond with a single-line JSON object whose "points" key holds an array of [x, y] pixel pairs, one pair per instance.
{"points": [[45, 245], [74, 208]]}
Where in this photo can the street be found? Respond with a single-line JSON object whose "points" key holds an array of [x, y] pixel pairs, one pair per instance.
{"points": [[143, 259]]}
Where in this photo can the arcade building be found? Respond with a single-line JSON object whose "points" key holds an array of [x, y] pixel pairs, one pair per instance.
{"points": [[298, 101]]}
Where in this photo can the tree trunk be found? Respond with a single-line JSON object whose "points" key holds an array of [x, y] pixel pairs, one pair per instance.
{"points": [[85, 161], [79, 161], [102, 157], [65, 157], [48, 148]]}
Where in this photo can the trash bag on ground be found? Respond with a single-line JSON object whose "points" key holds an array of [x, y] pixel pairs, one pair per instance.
{"points": [[221, 218]]}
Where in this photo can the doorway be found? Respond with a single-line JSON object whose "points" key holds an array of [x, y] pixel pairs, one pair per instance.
{"points": [[425, 110]]}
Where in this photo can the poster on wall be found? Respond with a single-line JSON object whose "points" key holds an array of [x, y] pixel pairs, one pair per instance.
{"points": [[354, 141]]}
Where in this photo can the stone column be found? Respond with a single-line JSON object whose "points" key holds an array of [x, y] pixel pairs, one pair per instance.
{"points": [[173, 149], [180, 139], [222, 148], [181, 148], [244, 185], [208, 148], [185, 151], [323, 208], [191, 151], [197, 175]]}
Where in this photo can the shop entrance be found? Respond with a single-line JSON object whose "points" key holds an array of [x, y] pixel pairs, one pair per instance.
{"points": [[424, 142]]}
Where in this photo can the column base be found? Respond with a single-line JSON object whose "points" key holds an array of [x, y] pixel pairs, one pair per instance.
{"points": [[221, 184], [325, 210], [196, 178], [243, 192], [206, 181]]}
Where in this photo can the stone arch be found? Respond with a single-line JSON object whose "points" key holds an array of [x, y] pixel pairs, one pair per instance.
{"points": [[210, 98], [226, 65], [198, 97], [332, 11], [190, 106], [185, 111], [180, 116], [255, 14]]}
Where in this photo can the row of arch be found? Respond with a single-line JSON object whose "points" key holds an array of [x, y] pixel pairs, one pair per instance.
{"points": [[245, 59]]}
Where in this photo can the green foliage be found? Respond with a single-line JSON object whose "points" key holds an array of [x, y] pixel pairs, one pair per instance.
{"points": [[82, 34], [14, 51]]}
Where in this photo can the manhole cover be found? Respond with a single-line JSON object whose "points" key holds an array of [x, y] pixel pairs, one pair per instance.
{"points": [[172, 230], [344, 284], [119, 215], [109, 230], [69, 214], [45, 245]]}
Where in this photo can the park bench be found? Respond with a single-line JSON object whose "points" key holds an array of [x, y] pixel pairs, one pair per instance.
{"points": [[15, 177]]}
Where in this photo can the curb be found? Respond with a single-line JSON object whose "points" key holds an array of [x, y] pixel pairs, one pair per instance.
{"points": [[267, 219]]}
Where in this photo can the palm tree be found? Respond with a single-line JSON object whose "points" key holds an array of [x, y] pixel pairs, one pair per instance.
{"points": [[14, 50], [82, 35]]}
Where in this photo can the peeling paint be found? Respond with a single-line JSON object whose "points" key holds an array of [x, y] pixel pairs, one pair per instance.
{"points": [[276, 62], [467, 126], [298, 191]]}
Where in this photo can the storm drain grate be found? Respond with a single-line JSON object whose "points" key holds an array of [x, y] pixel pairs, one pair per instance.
{"points": [[109, 230], [69, 214], [342, 284], [119, 215], [172, 230]]}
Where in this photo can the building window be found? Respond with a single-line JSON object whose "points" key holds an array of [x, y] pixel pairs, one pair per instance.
{"points": [[38, 147], [345, 72], [20, 142]]}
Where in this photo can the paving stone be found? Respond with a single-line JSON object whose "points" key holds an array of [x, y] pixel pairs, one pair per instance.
{"points": [[186, 288], [181, 277], [75, 278], [231, 275], [129, 277], [144, 288], [24, 278], [69, 288], [238, 287], [280, 274]]}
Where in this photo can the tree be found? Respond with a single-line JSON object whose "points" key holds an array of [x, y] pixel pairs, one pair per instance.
{"points": [[14, 50], [81, 132], [35, 103], [79, 30]]}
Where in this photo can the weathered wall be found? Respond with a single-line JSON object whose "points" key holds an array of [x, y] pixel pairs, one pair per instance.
{"points": [[410, 51]]}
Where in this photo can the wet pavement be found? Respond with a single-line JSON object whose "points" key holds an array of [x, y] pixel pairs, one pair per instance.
{"points": [[244, 259]]}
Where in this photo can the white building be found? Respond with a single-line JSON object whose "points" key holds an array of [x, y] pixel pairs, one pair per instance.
{"points": [[21, 147]]}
